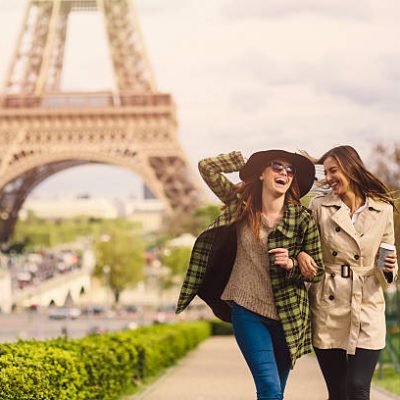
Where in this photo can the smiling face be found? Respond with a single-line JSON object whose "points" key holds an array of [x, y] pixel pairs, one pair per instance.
{"points": [[276, 178], [337, 180]]}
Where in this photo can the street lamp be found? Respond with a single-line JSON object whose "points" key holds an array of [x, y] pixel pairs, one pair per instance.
{"points": [[106, 272], [105, 238]]}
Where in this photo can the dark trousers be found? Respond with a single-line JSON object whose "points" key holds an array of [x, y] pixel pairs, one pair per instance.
{"points": [[347, 377], [263, 345]]}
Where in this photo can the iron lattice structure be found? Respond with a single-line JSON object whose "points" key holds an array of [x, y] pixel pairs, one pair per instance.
{"points": [[44, 130]]}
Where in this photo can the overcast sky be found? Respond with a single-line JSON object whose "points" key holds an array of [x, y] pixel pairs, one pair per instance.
{"points": [[247, 75]]}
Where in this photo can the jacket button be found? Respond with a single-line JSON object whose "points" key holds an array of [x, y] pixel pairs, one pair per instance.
{"points": [[356, 256], [331, 297], [332, 274], [334, 253], [337, 229]]}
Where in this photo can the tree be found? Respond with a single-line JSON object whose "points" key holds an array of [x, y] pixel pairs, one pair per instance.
{"points": [[193, 223], [206, 215], [121, 253], [177, 259], [386, 164]]}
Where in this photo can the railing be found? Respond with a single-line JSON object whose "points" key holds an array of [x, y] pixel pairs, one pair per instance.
{"points": [[391, 354], [80, 100]]}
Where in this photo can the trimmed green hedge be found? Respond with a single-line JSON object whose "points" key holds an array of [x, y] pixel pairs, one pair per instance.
{"points": [[220, 328], [94, 367]]}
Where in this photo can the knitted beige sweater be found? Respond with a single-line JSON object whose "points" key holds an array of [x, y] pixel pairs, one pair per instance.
{"points": [[250, 284]]}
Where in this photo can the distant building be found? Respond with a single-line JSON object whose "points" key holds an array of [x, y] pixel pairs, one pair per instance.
{"points": [[184, 240], [147, 213], [64, 208], [5, 285]]}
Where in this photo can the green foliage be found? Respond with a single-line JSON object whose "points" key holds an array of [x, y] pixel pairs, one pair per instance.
{"points": [[387, 164], [386, 160], [220, 328], [123, 254], [390, 380], [35, 367], [39, 233], [194, 223], [206, 215], [397, 224], [96, 367], [177, 259]]}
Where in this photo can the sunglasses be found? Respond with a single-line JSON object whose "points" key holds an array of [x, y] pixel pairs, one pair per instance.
{"points": [[279, 167]]}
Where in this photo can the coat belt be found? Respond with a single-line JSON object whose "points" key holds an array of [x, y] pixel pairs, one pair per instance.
{"points": [[347, 271]]}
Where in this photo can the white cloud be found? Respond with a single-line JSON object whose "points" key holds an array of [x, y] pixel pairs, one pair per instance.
{"points": [[239, 9], [9, 6]]}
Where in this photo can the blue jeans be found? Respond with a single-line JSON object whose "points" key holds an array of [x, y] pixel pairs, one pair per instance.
{"points": [[263, 345]]}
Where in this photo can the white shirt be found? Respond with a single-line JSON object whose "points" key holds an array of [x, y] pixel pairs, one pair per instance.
{"points": [[357, 212]]}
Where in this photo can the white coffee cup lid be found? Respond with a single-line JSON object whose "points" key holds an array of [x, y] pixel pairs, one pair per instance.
{"points": [[387, 246]]}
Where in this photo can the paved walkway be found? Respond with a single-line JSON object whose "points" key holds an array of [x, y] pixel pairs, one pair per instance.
{"points": [[217, 371]]}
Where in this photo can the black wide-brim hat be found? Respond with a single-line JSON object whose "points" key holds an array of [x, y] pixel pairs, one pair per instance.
{"points": [[305, 169]]}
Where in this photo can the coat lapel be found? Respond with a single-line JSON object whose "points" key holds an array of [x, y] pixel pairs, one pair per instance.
{"points": [[341, 216], [368, 218]]}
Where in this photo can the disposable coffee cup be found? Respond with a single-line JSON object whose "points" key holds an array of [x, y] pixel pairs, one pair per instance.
{"points": [[385, 249]]}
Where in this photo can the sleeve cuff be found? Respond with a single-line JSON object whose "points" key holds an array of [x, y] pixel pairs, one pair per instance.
{"points": [[290, 273], [388, 277]]}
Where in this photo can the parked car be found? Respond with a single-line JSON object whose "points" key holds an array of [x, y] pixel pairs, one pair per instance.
{"points": [[131, 309], [64, 313], [94, 310]]}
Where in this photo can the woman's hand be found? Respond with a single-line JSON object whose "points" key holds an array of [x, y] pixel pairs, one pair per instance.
{"points": [[282, 258], [390, 262], [306, 264]]}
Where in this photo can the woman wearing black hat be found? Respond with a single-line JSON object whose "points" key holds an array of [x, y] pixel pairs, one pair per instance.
{"points": [[244, 265]]}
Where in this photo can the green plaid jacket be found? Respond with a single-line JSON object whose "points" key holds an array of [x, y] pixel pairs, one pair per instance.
{"points": [[214, 253]]}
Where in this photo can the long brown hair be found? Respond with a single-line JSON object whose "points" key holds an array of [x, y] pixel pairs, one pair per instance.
{"points": [[250, 203], [362, 181]]}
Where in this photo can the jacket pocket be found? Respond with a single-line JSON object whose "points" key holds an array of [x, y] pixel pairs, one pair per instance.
{"points": [[372, 292], [332, 291]]}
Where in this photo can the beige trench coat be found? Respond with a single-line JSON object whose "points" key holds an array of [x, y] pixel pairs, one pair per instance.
{"points": [[349, 312]]}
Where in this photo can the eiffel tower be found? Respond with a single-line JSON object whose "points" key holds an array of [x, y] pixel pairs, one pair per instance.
{"points": [[44, 130]]}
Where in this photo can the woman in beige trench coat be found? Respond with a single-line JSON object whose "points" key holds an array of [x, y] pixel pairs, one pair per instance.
{"points": [[347, 306]]}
